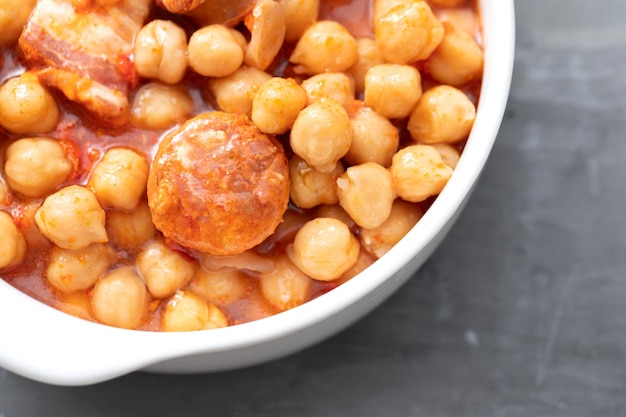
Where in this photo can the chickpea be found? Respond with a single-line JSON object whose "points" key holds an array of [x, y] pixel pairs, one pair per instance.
{"points": [[366, 193], [369, 56], [220, 287], [34, 167], [335, 211], [187, 311], [461, 19], [267, 28], [336, 85], [129, 230], [324, 248], [392, 90], [277, 104], [35, 240], [382, 7], [374, 138], [381, 239], [326, 46], [119, 179], [72, 218], [164, 270], [72, 270], [160, 51], [321, 134], [443, 114], [14, 15], [299, 15], [419, 172], [409, 20], [239, 38], [235, 92], [12, 243], [449, 154], [457, 60], [310, 187], [214, 51], [159, 106], [26, 106], [364, 260], [286, 287], [120, 299]]}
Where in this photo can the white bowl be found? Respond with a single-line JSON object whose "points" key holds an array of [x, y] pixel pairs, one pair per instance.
{"points": [[43, 344]]}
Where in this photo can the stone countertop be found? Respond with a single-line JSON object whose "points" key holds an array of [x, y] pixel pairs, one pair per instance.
{"points": [[520, 312]]}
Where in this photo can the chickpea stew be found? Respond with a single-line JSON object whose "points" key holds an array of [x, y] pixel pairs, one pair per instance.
{"points": [[187, 165]]}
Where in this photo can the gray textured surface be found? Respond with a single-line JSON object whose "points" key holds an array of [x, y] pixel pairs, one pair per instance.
{"points": [[521, 312]]}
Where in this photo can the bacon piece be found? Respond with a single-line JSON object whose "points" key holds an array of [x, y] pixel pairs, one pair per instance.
{"points": [[83, 48]]}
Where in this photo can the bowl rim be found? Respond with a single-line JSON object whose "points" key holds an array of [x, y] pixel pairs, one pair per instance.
{"points": [[34, 334]]}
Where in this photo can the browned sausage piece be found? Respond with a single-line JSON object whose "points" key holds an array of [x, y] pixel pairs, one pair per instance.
{"points": [[218, 184]]}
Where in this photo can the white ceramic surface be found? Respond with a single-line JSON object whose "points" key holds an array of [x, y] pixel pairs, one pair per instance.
{"points": [[46, 345]]}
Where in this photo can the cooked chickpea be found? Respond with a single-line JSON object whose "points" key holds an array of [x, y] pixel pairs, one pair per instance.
{"points": [[409, 20], [364, 260], [214, 51], [35, 240], [239, 38], [14, 15], [326, 46], [324, 248], [34, 167], [321, 134], [277, 104], [129, 230], [299, 15], [119, 179], [336, 85], [164, 270], [461, 18], [335, 211], [366, 193], [72, 218], [26, 106], [449, 154], [120, 299], [220, 287], [12, 243], [235, 92], [419, 172], [72, 270], [267, 27], [443, 114], [287, 286], [159, 106], [187, 311], [382, 7], [310, 187], [457, 60], [160, 51], [374, 138], [392, 90], [381, 239], [369, 56]]}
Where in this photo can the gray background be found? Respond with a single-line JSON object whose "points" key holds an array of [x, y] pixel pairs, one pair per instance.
{"points": [[521, 311]]}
